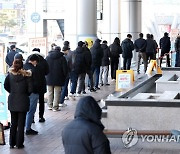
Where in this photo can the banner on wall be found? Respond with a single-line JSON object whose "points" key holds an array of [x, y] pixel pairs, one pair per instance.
{"points": [[38, 42], [3, 102]]}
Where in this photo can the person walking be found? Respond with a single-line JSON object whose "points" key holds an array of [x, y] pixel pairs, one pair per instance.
{"points": [[115, 50], [58, 70], [140, 47], [19, 85], [127, 48], [104, 69], [165, 46], [90, 137]]}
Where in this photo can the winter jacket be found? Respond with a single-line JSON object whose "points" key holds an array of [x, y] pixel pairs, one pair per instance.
{"points": [[140, 45], [36, 78], [115, 50], [127, 48], [106, 55], [19, 86], [88, 57], [165, 44], [97, 54], [84, 135], [151, 46], [10, 57], [58, 68], [177, 44], [79, 61], [43, 71]]}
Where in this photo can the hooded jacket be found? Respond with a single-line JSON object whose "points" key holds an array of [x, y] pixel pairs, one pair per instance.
{"points": [[84, 135], [106, 56], [19, 86], [97, 54], [79, 60], [58, 68]]}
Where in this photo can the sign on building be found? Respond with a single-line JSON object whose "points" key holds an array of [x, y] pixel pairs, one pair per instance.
{"points": [[39, 42]]}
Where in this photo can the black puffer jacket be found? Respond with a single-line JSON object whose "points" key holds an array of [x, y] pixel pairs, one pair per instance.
{"points": [[127, 48], [19, 86], [106, 56], [84, 135], [97, 54], [58, 68], [79, 60], [115, 50], [165, 44]]}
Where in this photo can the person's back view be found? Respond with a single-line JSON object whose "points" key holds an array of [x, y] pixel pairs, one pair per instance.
{"points": [[165, 46], [10, 56], [84, 135]]}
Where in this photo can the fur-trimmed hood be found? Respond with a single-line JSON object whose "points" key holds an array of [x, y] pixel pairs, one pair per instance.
{"points": [[22, 72]]}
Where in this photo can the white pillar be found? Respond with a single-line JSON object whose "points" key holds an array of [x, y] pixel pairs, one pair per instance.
{"points": [[111, 20], [80, 20], [131, 20]]}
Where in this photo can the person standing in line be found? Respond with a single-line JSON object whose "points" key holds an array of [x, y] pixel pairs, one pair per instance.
{"points": [[115, 50], [104, 69], [165, 46], [64, 93], [58, 70], [31, 63], [78, 70], [19, 85], [177, 49], [97, 55], [140, 46], [43, 71], [150, 48], [10, 55], [90, 138], [156, 46], [127, 48], [88, 57]]}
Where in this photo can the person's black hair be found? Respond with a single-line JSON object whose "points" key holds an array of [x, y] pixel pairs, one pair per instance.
{"points": [[141, 35], [129, 35], [36, 49], [17, 65], [34, 57], [165, 34], [148, 36]]}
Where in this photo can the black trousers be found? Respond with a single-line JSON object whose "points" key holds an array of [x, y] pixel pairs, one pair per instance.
{"points": [[114, 67], [126, 63], [41, 105], [17, 128]]}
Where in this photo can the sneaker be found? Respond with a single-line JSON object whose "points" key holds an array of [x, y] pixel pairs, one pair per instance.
{"points": [[20, 146], [107, 84], [66, 98], [72, 96], [101, 84], [97, 88], [84, 92], [31, 132], [55, 110], [41, 120], [92, 90], [62, 104], [49, 108]]}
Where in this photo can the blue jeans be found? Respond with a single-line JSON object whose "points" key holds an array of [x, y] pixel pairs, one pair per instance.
{"points": [[96, 70], [64, 91], [74, 79], [32, 109]]}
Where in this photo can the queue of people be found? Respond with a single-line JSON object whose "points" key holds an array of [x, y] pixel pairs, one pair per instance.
{"points": [[28, 81]]}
